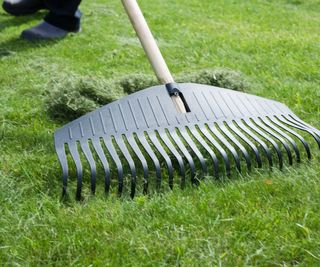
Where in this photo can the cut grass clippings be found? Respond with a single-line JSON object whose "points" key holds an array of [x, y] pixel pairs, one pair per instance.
{"points": [[69, 97]]}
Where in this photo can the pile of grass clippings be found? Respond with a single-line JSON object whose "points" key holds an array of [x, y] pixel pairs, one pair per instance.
{"points": [[220, 77], [135, 82], [72, 96]]}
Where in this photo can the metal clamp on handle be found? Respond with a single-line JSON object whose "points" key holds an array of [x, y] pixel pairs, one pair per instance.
{"points": [[175, 93], [173, 89]]}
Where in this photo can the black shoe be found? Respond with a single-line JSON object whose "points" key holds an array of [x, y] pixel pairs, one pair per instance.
{"points": [[22, 7], [44, 31]]}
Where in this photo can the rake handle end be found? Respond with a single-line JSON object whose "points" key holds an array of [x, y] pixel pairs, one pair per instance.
{"points": [[148, 42], [151, 49], [178, 103]]}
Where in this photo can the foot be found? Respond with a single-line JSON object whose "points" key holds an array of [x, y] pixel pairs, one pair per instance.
{"points": [[22, 7], [44, 31]]}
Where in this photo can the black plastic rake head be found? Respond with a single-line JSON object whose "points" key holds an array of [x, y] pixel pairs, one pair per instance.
{"points": [[188, 126], [223, 128]]}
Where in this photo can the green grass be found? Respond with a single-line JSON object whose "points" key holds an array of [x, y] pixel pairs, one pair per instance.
{"points": [[265, 219]]}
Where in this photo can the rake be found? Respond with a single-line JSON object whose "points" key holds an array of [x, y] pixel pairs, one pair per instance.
{"points": [[178, 127]]}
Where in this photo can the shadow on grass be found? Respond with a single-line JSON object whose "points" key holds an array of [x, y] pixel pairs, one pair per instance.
{"points": [[16, 45], [7, 20]]}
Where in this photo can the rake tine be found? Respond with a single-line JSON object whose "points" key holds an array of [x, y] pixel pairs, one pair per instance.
{"points": [[253, 111], [166, 140], [283, 134], [224, 129], [304, 143], [204, 144], [257, 139], [274, 144], [305, 124], [132, 166], [275, 128], [299, 124], [153, 157], [88, 154], [164, 154], [97, 146], [223, 153], [185, 152], [247, 140], [142, 159], [195, 149], [300, 127], [117, 161], [76, 158], [252, 126], [62, 156], [228, 145], [276, 136]]}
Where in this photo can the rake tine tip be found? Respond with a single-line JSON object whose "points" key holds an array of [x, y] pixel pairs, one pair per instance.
{"points": [[88, 154], [163, 153], [185, 152], [98, 148], [144, 142]]}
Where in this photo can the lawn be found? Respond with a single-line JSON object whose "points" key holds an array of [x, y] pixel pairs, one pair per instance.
{"points": [[259, 219]]}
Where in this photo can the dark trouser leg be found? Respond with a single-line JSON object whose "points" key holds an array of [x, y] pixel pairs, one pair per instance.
{"points": [[63, 14]]}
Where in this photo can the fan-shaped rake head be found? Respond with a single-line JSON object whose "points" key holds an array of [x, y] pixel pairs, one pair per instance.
{"points": [[223, 128]]}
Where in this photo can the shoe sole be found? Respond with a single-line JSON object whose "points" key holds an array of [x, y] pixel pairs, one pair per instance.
{"points": [[39, 38]]}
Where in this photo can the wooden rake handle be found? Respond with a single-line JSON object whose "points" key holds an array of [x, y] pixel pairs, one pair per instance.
{"points": [[151, 48]]}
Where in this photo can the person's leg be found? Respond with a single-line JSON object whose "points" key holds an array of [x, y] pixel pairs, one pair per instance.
{"points": [[63, 14], [63, 17]]}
